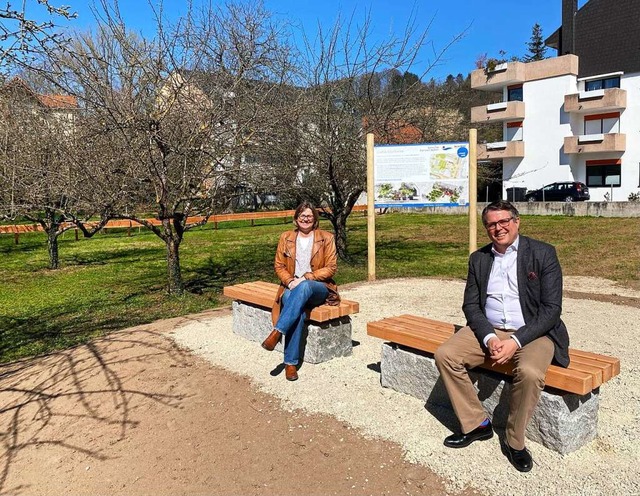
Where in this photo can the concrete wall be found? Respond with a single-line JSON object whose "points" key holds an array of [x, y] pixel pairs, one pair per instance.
{"points": [[580, 209], [576, 209]]}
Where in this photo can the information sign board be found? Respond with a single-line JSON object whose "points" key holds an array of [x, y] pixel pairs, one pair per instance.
{"points": [[426, 174]]}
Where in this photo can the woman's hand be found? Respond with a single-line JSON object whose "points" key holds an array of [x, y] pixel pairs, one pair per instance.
{"points": [[295, 282]]}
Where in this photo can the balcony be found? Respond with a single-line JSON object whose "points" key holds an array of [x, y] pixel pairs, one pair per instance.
{"points": [[500, 150], [498, 112], [519, 72], [595, 143], [596, 101], [503, 75]]}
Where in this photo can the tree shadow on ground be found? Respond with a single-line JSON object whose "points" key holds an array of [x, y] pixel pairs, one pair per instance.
{"points": [[93, 383], [238, 267]]}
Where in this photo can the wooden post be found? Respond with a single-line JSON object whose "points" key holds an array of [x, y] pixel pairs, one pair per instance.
{"points": [[473, 190], [76, 230], [16, 237], [371, 212], [129, 230]]}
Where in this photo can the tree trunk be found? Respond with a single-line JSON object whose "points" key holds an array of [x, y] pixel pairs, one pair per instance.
{"points": [[52, 247], [173, 266], [340, 230]]}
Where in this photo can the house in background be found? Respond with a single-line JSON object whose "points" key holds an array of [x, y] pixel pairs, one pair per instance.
{"points": [[18, 92], [575, 117]]}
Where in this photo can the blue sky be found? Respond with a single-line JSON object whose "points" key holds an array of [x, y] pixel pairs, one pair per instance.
{"points": [[490, 25]]}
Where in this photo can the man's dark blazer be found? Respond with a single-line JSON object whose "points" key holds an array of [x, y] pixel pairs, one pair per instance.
{"points": [[540, 289]]}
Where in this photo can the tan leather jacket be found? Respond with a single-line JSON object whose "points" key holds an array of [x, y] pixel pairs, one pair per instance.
{"points": [[324, 264]]}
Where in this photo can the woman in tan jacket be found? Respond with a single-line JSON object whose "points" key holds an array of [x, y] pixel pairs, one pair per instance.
{"points": [[305, 263]]}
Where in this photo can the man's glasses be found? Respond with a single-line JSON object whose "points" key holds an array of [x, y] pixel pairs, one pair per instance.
{"points": [[305, 217], [502, 223]]}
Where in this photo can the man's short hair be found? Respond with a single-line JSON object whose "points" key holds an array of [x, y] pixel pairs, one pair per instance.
{"points": [[500, 205]]}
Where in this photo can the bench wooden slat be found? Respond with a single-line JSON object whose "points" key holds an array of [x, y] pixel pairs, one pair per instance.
{"points": [[425, 327], [397, 334], [605, 369], [259, 289], [586, 371], [613, 361], [436, 324], [250, 297], [263, 294]]}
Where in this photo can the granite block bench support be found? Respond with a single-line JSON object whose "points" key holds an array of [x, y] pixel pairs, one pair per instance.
{"points": [[566, 417], [327, 332]]}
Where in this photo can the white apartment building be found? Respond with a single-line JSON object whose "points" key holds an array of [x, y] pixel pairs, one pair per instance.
{"points": [[564, 124]]}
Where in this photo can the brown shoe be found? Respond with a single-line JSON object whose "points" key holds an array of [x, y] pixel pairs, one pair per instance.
{"points": [[272, 340], [291, 372]]}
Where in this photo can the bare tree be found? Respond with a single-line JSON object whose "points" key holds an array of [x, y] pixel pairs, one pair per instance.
{"points": [[346, 88], [22, 38], [172, 114], [40, 178]]}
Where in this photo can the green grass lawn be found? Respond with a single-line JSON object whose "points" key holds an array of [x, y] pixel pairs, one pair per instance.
{"points": [[113, 281]]}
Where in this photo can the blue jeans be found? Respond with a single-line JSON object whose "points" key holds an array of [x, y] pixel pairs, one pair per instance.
{"points": [[291, 320]]}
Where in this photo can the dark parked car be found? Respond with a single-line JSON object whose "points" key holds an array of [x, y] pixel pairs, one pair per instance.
{"points": [[569, 191]]}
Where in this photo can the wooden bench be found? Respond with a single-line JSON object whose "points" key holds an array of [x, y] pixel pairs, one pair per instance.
{"points": [[566, 416], [327, 333]]}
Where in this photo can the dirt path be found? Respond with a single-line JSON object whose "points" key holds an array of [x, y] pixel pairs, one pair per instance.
{"points": [[133, 414]]}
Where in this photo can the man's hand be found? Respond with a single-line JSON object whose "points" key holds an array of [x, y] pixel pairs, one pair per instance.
{"points": [[494, 345], [295, 282], [504, 350]]}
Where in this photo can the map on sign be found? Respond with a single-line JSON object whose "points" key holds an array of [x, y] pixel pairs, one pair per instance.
{"points": [[421, 175], [445, 166]]}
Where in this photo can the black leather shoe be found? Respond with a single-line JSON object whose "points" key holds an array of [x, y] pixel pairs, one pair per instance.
{"points": [[463, 440], [520, 459]]}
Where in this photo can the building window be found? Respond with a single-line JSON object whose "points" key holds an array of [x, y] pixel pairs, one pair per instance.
{"points": [[602, 84], [604, 173], [514, 93], [602, 123], [514, 131]]}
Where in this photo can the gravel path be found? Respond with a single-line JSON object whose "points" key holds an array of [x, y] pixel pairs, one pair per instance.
{"points": [[349, 389]]}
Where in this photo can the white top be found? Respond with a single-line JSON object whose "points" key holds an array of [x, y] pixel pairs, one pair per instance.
{"points": [[304, 245], [503, 302]]}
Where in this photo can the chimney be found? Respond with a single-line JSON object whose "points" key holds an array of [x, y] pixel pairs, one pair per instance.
{"points": [[567, 31]]}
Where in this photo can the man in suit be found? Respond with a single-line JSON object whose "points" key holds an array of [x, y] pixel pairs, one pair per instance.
{"points": [[512, 303]]}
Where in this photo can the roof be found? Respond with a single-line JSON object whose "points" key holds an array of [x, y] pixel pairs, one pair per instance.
{"points": [[606, 37], [59, 101], [18, 87]]}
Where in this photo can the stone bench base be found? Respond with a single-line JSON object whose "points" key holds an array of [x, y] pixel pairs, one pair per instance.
{"points": [[321, 341], [562, 421]]}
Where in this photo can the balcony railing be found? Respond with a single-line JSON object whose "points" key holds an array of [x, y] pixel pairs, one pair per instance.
{"points": [[596, 100], [498, 112], [502, 75], [595, 143], [500, 150], [519, 72]]}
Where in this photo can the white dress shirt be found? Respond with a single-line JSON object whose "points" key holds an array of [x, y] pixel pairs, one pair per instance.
{"points": [[502, 307]]}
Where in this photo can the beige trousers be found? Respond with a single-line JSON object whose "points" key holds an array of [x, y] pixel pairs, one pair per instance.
{"points": [[463, 351]]}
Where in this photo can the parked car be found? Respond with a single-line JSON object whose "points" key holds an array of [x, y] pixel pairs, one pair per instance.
{"points": [[565, 191]]}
